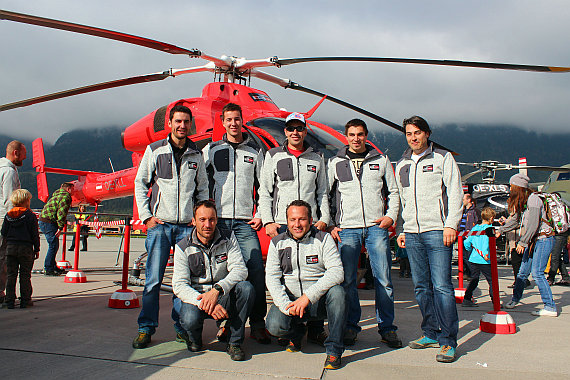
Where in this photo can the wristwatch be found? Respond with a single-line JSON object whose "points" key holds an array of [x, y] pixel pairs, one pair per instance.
{"points": [[219, 289]]}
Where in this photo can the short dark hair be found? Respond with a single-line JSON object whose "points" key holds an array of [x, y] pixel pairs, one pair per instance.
{"points": [[229, 108], [299, 203], [179, 108], [355, 123], [66, 185], [205, 203], [419, 122]]}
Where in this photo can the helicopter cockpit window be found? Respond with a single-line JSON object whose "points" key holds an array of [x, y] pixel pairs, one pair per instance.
{"points": [[564, 176], [316, 138]]}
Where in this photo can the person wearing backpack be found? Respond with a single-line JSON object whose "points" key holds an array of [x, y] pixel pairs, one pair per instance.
{"points": [[527, 208], [557, 262]]}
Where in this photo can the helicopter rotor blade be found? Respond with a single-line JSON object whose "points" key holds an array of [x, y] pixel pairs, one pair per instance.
{"points": [[109, 34], [93, 31], [541, 167], [484, 65], [106, 85], [287, 83], [469, 175], [86, 89]]}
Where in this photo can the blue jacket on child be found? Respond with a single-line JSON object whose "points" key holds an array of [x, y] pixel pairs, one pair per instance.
{"points": [[478, 246]]}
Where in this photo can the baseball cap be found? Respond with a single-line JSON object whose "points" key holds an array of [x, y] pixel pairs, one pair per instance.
{"points": [[295, 116]]}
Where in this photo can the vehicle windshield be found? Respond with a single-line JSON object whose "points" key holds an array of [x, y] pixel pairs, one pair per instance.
{"points": [[316, 138]]}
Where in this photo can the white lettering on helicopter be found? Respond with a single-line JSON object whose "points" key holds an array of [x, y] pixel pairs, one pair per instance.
{"points": [[488, 188], [260, 97], [113, 184]]}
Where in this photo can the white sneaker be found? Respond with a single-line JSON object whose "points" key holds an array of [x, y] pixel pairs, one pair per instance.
{"points": [[544, 313], [511, 304]]}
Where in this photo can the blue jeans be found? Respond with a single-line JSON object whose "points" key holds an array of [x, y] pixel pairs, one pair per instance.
{"points": [[238, 303], [251, 252], [377, 243], [331, 306], [49, 230], [159, 240], [430, 260], [536, 266]]}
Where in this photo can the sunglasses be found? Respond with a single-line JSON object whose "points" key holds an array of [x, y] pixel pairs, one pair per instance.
{"points": [[298, 128]]}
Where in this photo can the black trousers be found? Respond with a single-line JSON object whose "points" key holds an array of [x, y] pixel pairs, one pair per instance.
{"points": [[476, 270]]}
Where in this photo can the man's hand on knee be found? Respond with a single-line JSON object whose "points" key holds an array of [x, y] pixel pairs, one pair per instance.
{"points": [[297, 307], [209, 300]]}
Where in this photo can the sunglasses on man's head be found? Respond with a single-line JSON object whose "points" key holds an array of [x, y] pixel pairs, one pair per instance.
{"points": [[298, 128]]}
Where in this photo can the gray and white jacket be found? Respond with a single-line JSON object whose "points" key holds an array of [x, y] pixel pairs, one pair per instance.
{"points": [[285, 178], [532, 221], [173, 195], [233, 175], [430, 191], [9, 181], [309, 266], [359, 200], [198, 268]]}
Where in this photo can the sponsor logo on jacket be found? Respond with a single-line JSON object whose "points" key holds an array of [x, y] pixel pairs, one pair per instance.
{"points": [[192, 165], [427, 168], [312, 168], [313, 259], [248, 159]]}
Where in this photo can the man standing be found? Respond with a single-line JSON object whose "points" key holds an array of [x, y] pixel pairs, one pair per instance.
{"points": [[303, 274], [174, 170], [9, 181], [234, 166], [470, 217], [294, 171], [362, 182], [52, 220], [209, 278], [431, 201]]}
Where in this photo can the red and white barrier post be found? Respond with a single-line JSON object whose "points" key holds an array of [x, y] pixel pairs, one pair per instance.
{"points": [[75, 275], [460, 290], [125, 298], [496, 321], [63, 263]]}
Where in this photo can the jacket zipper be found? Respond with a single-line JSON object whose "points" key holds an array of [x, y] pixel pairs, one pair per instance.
{"points": [[299, 269], [235, 175]]}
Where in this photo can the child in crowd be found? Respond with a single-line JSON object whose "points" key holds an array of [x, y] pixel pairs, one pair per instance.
{"points": [[20, 229], [402, 256], [479, 260]]}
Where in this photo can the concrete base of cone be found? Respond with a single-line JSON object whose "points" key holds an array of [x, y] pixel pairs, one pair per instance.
{"points": [[124, 299], [75, 277], [497, 322], [459, 295], [63, 265]]}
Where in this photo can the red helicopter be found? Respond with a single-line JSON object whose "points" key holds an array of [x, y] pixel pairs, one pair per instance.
{"points": [[263, 119]]}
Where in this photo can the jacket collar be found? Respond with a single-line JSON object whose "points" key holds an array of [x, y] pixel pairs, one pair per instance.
{"points": [[218, 237], [342, 152], [190, 145], [408, 152]]}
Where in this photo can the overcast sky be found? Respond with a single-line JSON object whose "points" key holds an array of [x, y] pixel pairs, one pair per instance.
{"points": [[36, 60]]}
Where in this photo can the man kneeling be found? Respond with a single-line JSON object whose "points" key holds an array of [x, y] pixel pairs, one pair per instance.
{"points": [[303, 274], [209, 278]]}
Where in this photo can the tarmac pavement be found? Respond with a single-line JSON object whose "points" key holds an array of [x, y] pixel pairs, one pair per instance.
{"points": [[71, 333]]}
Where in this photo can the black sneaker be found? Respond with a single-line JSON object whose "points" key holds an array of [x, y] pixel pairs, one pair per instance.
{"points": [[25, 304], [282, 342], [60, 270], [294, 346], [142, 340], [332, 362], [182, 337], [318, 338], [260, 335], [235, 352], [350, 337], [10, 305], [391, 339], [468, 303], [193, 346], [51, 273]]}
